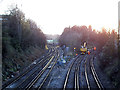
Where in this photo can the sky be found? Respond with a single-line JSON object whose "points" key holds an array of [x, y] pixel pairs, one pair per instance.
{"points": [[52, 16]]}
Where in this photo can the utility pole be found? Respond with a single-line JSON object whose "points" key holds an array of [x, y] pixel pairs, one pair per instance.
{"points": [[119, 31]]}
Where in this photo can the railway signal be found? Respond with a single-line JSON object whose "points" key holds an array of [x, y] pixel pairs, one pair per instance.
{"points": [[88, 52], [74, 49], [94, 48]]}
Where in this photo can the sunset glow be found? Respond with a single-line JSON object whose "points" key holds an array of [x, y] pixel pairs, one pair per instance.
{"points": [[52, 16]]}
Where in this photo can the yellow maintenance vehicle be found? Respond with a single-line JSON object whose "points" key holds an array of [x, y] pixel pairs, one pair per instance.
{"points": [[83, 49]]}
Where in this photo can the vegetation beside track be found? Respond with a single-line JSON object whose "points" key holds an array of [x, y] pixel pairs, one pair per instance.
{"points": [[22, 42], [75, 37], [109, 61]]}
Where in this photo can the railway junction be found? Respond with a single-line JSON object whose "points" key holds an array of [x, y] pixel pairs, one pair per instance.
{"points": [[54, 71]]}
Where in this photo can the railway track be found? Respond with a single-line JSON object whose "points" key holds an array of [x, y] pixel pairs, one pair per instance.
{"points": [[82, 68], [81, 74], [28, 72], [48, 72], [73, 71], [35, 82], [89, 66], [86, 75], [68, 73], [77, 73], [37, 76], [98, 82]]}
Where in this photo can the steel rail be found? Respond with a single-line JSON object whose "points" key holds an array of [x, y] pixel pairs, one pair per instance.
{"points": [[88, 84], [48, 72], [77, 74], [98, 82], [25, 72], [39, 75], [67, 76], [31, 74]]}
